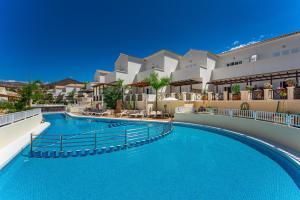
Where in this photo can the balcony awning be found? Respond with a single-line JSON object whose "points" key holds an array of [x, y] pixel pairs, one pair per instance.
{"points": [[105, 84], [139, 84], [258, 77], [185, 82]]}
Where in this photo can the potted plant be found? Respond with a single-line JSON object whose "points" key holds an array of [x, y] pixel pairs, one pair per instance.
{"points": [[204, 96], [249, 88], [282, 93], [268, 85], [290, 82], [235, 89]]}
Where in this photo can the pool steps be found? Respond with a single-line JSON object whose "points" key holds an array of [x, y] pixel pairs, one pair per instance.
{"points": [[97, 151]]}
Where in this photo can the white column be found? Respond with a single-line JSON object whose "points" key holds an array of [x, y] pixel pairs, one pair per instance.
{"points": [[210, 95], [268, 94], [290, 93], [225, 95], [193, 96], [184, 96], [245, 95]]}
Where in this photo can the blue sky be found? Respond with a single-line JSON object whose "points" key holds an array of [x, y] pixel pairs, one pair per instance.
{"points": [[53, 39]]}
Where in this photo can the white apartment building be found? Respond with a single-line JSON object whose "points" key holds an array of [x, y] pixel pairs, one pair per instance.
{"points": [[273, 60], [66, 89]]}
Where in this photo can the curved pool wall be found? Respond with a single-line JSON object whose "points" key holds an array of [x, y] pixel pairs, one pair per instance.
{"points": [[290, 165], [19, 171], [282, 135]]}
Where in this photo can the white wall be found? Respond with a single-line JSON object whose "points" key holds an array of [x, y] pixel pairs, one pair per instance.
{"points": [[264, 50], [14, 137], [288, 137], [275, 64], [154, 62]]}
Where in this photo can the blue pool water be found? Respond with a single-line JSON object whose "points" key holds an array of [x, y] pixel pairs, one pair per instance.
{"points": [[190, 163]]}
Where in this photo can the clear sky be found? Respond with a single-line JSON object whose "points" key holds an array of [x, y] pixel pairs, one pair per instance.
{"points": [[53, 39]]}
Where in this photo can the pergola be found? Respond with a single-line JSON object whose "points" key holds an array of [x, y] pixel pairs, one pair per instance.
{"points": [[190, 82], [179, 84], [139, 84], [258, 77]]}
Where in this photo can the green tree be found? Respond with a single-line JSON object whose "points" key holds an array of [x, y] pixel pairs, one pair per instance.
{"points": [[31, 92], [71, 97], [157, 83], [113, 93], [59, 98], [7, 107], [49, 98]]}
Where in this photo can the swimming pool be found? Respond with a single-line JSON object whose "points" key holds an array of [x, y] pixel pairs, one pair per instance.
{"points": [[191, 163]]}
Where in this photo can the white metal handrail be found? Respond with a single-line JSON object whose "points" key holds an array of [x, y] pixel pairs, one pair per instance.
{"points": [[96, 139], [280, 118], [17, 116]]}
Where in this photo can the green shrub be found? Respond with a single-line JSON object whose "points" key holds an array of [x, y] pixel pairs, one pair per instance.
{"points": [[235, 89]]}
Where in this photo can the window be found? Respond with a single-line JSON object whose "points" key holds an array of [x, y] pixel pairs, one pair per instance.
{"points": [[276, 54], [234, 63], [253, 58], [296, 50], [286, 52]]}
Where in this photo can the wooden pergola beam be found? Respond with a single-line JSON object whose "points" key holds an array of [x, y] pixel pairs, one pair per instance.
{"points": [[263, 77]]}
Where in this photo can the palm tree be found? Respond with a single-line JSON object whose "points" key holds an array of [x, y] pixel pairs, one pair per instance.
{"points": [[113, 93], [157, 83], [31, 91]]}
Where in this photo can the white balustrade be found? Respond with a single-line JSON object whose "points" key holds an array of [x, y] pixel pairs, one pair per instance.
{"points": [[14, 117], [280, 118], [295, 120]]}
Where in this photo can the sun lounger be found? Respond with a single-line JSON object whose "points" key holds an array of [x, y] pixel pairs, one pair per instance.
{"points": [[139, 114], [108, 112], [154, 114], [123, 113]]}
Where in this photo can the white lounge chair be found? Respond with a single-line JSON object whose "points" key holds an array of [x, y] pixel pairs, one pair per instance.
{"points": [[123, 113], [139, 114], [154, 114], [108, 112]]}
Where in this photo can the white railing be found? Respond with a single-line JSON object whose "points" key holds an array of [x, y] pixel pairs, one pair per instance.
{"points": [[280, 118], [295, 120], [183, 109], [14, 117], [243, 113]]}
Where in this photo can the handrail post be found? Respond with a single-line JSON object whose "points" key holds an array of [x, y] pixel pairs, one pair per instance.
{"points": [[288, 119], [31, 147], [61, 143], [125, 137], [95, 139], [230, 113]]}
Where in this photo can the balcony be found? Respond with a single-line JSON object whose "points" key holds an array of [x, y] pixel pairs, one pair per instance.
{"points": [[116, 75], [192, 72], [141, 76], [275, 64]]}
